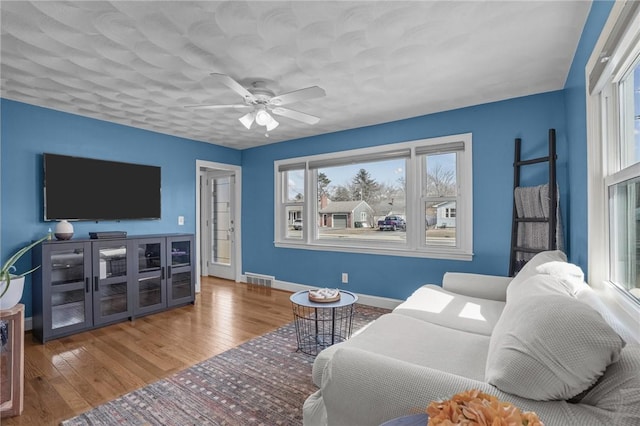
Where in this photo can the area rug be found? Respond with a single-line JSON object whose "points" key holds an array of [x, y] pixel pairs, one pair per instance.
{"points": [[261, 382]]}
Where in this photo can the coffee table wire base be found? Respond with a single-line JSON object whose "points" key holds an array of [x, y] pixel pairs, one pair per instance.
{"points": [[318, 328]]}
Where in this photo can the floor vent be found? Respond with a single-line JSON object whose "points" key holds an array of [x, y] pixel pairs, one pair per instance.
{"points": [[258, 279]]}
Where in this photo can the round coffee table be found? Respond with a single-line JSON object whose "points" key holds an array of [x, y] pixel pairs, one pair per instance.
{"points": [[319, 325]]}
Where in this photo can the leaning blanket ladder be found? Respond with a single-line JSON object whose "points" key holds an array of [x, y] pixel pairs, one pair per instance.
{"points": [[521, 246]]}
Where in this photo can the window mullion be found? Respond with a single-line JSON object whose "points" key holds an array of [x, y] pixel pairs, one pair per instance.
{"points": [[412, 187], [310, 231]]}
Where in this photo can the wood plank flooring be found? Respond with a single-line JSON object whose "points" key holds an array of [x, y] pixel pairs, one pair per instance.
{"points": [[68, 376]]}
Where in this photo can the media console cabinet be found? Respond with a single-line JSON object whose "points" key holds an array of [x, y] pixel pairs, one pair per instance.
{"points": [[85, 283]]}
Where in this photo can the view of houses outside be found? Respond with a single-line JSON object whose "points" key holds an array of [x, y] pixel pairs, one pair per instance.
{"points": [[354, 199]]}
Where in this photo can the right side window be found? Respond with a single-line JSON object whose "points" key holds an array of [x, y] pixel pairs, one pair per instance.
{"points": [[622, 181], [614, 152]]}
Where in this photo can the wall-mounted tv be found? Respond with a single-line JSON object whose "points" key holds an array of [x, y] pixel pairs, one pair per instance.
{"points": [[77, 188]]}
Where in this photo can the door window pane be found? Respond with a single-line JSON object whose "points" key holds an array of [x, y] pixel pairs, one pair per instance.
{"points": [[67, 266], [67, 308], [113, 262], [180, 285], [221, 220], [149, 291], [149, 257], [180, 253], [113, 299], [624, 230]]}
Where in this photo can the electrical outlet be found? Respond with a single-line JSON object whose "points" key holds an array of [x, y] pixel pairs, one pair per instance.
{"points": [[180, 220], [345, 278]]}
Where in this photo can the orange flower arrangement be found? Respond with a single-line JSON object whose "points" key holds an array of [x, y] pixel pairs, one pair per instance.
{"points": [[476, 408]]}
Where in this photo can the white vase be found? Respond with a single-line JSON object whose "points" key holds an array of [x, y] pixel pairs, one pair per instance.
{"points": [[13, 295], [64, 230]]}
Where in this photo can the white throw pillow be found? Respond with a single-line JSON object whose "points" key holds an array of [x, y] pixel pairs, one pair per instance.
{"points": [[550, 348], [569, 272], [529, 269], [539, 285]]}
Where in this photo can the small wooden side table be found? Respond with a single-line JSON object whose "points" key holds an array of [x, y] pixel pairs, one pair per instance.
{"points": [[12, 363]]}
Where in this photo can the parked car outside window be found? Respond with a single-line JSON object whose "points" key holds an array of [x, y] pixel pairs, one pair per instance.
{"points": [[297, 224]]}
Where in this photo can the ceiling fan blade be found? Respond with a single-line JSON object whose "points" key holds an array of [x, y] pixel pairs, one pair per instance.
{"points": [[296, 115], [237, 106], [233, 85], [298, 95], [248, 119]]}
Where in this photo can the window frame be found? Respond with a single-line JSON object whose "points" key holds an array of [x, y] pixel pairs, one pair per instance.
{"points": [[415, 245], [612, 58]]}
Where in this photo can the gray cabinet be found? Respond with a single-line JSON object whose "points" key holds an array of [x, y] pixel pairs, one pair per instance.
{"points": [[83, 284]]}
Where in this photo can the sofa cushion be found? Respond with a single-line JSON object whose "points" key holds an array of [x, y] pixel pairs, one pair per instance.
{"points": [[422, 343], [550, 348], [433, 304]]}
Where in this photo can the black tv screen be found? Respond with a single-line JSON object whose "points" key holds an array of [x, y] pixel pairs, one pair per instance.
{"points": [[78, 188]]}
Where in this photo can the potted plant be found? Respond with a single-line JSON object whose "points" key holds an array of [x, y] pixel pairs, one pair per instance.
{"points": [[11, 285]]}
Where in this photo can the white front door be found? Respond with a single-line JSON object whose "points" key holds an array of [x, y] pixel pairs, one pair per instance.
{"points": [[219, 237]]}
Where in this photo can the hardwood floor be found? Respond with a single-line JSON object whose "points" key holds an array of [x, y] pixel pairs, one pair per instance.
{"points": [[68, 376]]}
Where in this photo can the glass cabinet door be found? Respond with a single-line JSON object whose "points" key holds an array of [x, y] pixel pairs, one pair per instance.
{"points": [[110, 281], [69, 291], [180, 272], [150, 274]]}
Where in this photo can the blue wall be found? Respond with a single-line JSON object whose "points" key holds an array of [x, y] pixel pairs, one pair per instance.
{"points": [[494, 127], [576, 105], [28, 131]]}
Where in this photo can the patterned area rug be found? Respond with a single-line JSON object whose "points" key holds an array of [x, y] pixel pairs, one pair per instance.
{"points": [[261, 382]]}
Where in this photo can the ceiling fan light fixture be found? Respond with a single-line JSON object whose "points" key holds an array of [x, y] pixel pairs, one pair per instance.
{"points": [[272, 124], [247, 119], [263, 117]]}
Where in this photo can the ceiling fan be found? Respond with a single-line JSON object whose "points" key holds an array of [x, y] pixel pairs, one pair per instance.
{"points": [[264, 102]]}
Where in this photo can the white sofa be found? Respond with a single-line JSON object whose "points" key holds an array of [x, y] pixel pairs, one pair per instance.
{"points": [[540, 341]]}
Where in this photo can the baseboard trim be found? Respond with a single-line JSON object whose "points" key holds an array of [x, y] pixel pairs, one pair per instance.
{"points": [[365, 299], [28, 323]]}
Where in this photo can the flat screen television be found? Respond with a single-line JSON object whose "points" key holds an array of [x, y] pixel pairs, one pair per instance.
{"points": [[77, 188]]}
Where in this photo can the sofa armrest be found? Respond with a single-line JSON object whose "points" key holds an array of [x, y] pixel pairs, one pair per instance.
{"points": [[491, 287]]}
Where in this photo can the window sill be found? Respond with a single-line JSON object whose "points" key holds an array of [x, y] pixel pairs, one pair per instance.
{"points": [[624, 308], [386, 251]]}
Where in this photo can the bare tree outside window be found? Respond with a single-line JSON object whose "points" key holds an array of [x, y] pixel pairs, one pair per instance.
{"points": [[441, 181]]}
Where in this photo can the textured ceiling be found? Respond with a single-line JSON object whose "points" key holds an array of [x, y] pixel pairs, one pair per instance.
{"points": [[140, 63]]}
